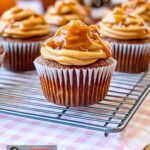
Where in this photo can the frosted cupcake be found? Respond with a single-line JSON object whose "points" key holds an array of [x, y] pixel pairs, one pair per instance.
{"points": [[64, 11], [129, 38], [22, 31], [140, 7], [75, 66]]}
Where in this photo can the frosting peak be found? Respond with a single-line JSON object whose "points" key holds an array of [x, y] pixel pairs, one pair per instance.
{"points": [[64, 11], [67, 6], [123, 25], [76, 44], [140, 7], [22, 23]]}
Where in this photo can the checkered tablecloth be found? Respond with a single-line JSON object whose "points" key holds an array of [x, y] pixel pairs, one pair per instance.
{"points": [[17, 130]]}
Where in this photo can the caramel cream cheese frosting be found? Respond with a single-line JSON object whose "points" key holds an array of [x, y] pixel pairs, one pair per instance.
{"points": [[64, 11], [22, 23], [140, 7], [75, 44], [123, 25]]}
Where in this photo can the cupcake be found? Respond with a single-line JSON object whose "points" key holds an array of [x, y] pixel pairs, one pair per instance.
{"points": [[21, 34], [140, 7], [64, 11], [75, 66], [129, 38]]}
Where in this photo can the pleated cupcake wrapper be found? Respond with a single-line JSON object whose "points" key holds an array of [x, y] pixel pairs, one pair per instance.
{"points": [[131, 58], [2, 58], [75, 87], [20, 56], [1, 55]]}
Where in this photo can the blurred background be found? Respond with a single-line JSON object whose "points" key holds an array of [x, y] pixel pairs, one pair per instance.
{"points": [[100, 7], [41, 5]]}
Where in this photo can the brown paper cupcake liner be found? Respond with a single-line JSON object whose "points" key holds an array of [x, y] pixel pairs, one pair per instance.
{"points": [[75, 87], [20, 56], [131, 58], [2, 54]]}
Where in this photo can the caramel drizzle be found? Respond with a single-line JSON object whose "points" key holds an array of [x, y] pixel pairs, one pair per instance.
{"points": [[78, 36]]}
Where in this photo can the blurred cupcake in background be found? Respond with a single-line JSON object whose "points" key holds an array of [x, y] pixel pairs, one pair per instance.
{"points": [[22, 31], [64, 11], [75, 66], [129, 38], [140, 7]]}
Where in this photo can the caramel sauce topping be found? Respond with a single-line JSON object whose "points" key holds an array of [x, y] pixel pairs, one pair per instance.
{"points": [[77, 36]]}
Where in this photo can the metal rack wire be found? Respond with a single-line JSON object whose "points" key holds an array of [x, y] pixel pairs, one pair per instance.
{"points": [[21, 95]]}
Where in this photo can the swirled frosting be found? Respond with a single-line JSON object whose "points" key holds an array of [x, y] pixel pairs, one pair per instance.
{"points": [[64, 11], [123, 25], [22, 23], [75, 44], [140, 7]]}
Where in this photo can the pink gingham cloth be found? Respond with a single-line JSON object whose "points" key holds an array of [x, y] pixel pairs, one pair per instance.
{"points": [[20, 131]]}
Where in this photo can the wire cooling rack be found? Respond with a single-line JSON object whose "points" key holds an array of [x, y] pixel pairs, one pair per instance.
{"points": [[21, 95]]}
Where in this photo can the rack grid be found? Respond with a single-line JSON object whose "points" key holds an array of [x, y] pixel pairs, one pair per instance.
{"points": [[21, 95]]}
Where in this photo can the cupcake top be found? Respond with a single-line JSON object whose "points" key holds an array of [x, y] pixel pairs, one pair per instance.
{"points": [[123, 25], [140, 7], [22, 23], [64, 11], [76, 44]]}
